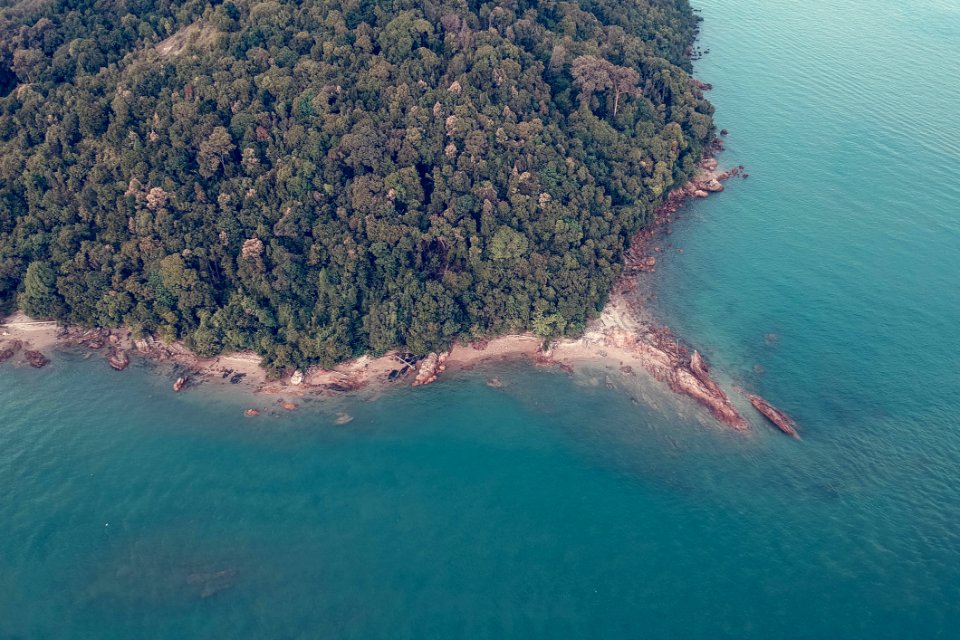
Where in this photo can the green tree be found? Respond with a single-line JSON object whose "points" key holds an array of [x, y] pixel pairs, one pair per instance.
{"points": [[214, 151], [39, 298]]}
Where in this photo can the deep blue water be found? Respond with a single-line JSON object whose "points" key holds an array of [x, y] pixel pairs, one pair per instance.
{"points": [[556, 506]]}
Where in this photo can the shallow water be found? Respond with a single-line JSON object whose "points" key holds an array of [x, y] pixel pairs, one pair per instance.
{"points": [[556, 506]]}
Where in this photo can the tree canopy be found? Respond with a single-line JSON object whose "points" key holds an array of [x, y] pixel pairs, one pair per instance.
{"points": [[314, 180]]}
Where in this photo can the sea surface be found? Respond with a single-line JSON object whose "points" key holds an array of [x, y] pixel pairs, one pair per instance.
{"points": [[584, 506]]}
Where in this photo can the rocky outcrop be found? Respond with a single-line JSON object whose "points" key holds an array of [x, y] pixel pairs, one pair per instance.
{"points": [[118, 359], [712, 186], [708, 180], [693, 379], [666, 359], [430, 367], [36, 359], [778, 418]]}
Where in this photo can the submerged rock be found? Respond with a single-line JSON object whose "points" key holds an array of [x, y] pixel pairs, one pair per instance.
{"points": [[210, 584], [343, 418], [36, 359], [251, 413], [180, 384], [289, 406], [6, 354]]}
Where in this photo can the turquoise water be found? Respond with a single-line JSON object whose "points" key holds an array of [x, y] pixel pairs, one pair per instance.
{"points": [[556, 506]]}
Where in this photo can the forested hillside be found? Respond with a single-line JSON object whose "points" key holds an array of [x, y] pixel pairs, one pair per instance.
{"points": [[318, 179]]}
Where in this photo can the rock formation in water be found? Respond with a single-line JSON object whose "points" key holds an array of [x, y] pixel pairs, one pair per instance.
{"points": [[36, 359], [777, 417], [118, 359], [664, 357]]}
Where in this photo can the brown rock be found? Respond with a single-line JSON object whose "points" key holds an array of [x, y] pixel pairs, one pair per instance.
{"points": [[713, 186], [699, 366], [180, 384], [709, 395], [430, 367], [5, 354], [36, 359], [251, 413], [778, 418], [118, 359], [289, 406]]}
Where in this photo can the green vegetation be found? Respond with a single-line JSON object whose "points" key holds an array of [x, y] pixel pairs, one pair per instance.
{"points": [[318, 179]]}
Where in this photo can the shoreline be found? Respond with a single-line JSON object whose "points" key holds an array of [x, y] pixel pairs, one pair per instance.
{"points": [[624, 337]]}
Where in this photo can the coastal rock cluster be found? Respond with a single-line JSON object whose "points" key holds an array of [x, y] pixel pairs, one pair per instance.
{"points": [[96, 339], [430, 367], [708, 181], [34, 358]]}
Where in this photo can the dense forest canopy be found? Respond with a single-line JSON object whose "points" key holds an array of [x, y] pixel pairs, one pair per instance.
{"points": [[323, 178]]}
